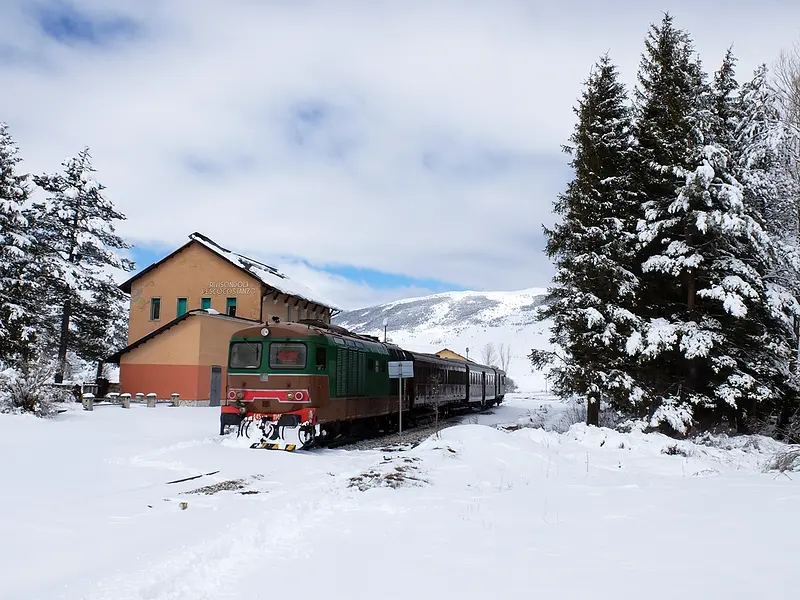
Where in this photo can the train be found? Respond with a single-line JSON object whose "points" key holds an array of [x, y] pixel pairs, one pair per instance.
{"points": [[300, 384]]}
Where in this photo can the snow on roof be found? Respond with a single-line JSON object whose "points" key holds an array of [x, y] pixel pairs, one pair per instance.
{"points": [[269, 276]]}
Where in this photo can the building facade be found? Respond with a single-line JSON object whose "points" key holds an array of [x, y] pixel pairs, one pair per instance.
{"points": [[184, 309], [447, 353]]}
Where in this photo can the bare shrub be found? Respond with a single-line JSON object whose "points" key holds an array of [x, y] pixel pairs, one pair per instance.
{"points": [[675, 450], [784, 460], [28, 389], [576, 413]]}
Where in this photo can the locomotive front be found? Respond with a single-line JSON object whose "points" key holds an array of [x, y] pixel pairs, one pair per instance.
{"points": [[276, 383]]}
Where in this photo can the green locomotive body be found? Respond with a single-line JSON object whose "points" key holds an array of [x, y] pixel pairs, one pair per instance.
{"points": [[322, 380]]}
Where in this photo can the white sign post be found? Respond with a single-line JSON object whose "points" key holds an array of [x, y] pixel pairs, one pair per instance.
{"points": [[401, 369]]}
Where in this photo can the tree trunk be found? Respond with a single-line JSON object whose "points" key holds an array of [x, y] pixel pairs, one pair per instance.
{"points": [[691, 296], [62, 343], [593, 411]]}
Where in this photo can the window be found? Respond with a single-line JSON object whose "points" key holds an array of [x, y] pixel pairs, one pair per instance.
{"points": [[245, 355], [155, 309], [181, 306], [322, 358], [205, 303], [230, 307], [287, 355]]}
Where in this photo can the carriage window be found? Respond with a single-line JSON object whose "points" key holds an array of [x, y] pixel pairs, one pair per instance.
{"points": [[289, 355], [245, 355]]}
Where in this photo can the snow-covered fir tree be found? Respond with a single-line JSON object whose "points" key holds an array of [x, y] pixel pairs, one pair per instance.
{"points": [[710, 342], [77, 245], [595, 286], [725, 102], [17, 292], [101, 323], [668, 99], [765, 156]]}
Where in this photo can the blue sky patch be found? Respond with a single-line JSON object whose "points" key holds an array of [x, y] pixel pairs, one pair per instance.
{"points": [[382, 280], [146, 255], [63, 22]]}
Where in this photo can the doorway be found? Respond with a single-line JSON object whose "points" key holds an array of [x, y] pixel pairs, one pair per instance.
{"points": [[215, 394]]}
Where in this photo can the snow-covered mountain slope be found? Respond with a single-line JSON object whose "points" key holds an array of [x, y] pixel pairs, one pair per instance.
{"points": [[461, 320]]}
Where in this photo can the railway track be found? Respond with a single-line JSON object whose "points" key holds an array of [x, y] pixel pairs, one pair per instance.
{"points": [[424, 427]]}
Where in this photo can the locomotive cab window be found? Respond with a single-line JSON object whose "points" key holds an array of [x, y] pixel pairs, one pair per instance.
{"points": [[289, 355], [321, 358], [245, 355]]}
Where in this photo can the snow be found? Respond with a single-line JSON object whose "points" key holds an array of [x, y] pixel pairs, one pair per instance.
{"points": [[267, 275], [486, 511]]}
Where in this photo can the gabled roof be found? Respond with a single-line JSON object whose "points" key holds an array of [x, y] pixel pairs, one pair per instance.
{"points": [[114, 358], [267, 275]]}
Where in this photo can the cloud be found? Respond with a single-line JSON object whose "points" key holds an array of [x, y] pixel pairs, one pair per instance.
{"points": [[420, 139]]}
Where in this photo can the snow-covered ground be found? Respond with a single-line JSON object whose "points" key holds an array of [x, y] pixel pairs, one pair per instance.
{"points": [[484, 511]]}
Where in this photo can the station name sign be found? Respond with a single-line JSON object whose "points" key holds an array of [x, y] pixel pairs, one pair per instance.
{"points": [[229, 288]]}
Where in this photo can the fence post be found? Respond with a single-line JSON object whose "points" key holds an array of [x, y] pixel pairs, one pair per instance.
{"points": [[88, 401], [176, 399], [151, 400], [126, 400], [140, 397]]}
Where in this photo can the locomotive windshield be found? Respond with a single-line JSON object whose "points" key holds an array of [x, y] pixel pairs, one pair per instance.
{"points": [[289, 355], [245, 355]]}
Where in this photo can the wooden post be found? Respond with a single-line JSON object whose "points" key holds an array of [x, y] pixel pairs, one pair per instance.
{"points": [[126, 400], [176, 398], [88, 402], [151, 400]]}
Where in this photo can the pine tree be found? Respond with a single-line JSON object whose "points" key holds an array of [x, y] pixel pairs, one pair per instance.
{"points": [[764, 159], [76, 239], [17, 318], [101, 323], [710, 312], [668, 99], [725, 108], [595, 286]]}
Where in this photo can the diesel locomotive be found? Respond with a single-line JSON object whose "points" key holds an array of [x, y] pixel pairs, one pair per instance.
{"points": [[301, 383]]}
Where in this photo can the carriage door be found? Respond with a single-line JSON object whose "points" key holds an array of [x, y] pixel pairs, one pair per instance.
{"points": [[483, 386], [216, 386]]}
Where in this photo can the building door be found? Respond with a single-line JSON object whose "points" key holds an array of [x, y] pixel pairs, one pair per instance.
{"points": [[215, 395]]}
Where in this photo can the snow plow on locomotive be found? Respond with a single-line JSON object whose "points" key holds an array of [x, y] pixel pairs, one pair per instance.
{"points": [[291, 385]]}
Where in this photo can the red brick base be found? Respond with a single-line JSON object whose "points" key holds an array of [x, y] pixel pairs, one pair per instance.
{"points": [[192, 382]]}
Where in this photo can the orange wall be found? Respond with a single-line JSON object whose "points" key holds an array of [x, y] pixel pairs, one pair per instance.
{"points": [[180, 359], [179, 345], [189, 274], [165, 380], [215, 335]]}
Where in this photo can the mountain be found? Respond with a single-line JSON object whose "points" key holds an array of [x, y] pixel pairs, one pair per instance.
{"points": [[460, 321]]}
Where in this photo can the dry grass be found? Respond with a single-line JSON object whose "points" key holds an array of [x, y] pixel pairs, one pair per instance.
{"points": [[402, 475]]}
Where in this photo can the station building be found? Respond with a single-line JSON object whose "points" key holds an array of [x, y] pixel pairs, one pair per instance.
{"points": [[184, 309], [447, 353]]}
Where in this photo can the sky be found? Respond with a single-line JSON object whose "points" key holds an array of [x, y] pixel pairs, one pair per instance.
{"points": [[373, 150]]}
